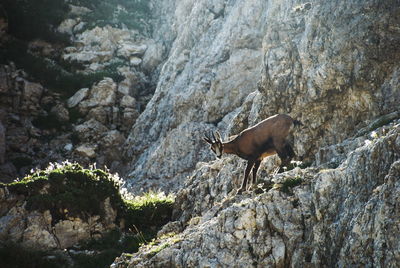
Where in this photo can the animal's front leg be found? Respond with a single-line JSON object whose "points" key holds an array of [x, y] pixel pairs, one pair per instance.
{"points": [[246, 176]]}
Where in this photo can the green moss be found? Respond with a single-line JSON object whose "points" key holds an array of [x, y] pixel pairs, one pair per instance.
{"points": [[158, 244]]}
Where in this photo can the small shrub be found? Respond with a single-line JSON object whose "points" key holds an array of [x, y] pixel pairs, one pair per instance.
{"points": [[71, 191], [288, 184], [151, 210]]}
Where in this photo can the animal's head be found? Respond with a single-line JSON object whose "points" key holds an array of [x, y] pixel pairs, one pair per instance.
{"points": [[215, 143]]}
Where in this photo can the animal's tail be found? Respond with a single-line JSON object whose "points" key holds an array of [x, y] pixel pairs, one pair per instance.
{"points": [[297, 123]]}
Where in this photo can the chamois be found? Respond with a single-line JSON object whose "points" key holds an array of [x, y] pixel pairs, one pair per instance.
{"points": [[257, 142]]}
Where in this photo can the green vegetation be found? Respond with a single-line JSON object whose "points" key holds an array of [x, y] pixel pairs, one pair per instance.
{"points": [[288, 184], [68, 190], [165, 241], [39, 19], [149, 209], [56, 75], [32, 19], [117, 13]]}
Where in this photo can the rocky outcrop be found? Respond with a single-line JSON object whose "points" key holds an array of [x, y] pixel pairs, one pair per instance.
{"points": [[314, 217], [29, 113], [332, 66], [45, 229]]}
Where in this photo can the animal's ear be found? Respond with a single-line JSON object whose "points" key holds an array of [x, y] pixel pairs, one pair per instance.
{"points": [[218, 135]]}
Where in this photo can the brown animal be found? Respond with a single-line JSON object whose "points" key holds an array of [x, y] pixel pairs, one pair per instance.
{"points": [[257, 142]]}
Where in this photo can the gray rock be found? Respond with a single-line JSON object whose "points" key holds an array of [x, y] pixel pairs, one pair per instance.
{"points": [[128, 50], [153, 56], [128, 101], [78, 97], [86, 150], [335, 217], [101, 94], [60, 112], [237, 63], [90, 130]]}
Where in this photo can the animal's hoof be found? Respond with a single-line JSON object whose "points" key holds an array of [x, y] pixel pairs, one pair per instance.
{"points": [[240, 191]]}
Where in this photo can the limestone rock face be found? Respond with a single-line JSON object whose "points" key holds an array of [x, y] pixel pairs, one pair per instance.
{"points": [[332, 66], [339, 216]]}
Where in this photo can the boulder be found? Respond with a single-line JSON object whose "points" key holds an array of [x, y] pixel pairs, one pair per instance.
{"points": [[86, 150], [78, 97], [101, 94]]}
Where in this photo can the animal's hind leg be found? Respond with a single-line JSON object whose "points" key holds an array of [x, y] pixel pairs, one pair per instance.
{"points": [[246, 176], [255, 169]]}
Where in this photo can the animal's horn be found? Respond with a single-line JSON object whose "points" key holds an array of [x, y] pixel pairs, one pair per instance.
{"points": [[207, 138]]}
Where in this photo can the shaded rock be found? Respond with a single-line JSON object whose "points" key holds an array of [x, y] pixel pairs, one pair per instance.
{"points": [[67, 26], [60, 112], [128, 101], [90, 130], [153, 56], [86, 150], [38, 231], [2, 143], [69, 232]]}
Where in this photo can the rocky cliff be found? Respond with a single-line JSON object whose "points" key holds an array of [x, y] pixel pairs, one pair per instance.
{"points": [[136, 88], [334, 66], [312, 217]]}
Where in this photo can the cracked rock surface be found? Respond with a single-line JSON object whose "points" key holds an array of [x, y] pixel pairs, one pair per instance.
{"points": [[344, 216]]}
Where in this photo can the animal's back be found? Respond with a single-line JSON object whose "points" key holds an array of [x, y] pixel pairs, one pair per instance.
{"points": [[276, 126], [260, 137]]}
